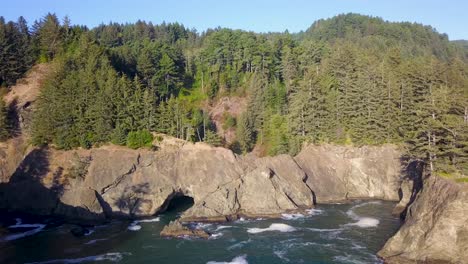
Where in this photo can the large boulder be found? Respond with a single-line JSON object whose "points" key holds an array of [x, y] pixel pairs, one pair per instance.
{"points": [[337, 173], [177, 229], [435, 228], [275, 186]]}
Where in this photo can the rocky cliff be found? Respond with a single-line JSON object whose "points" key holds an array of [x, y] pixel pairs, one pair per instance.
{"points": [[337, 173], [115, 181], [435, 228]]}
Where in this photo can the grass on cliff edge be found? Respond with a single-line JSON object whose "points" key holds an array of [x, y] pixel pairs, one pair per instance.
{"points": [[457, 177]]}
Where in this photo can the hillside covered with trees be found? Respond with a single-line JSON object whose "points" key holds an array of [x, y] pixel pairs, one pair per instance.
{"points": [[351, 79]]}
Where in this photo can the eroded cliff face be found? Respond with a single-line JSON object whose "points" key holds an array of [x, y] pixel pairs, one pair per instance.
{"points": [[337, 173], [20, 101], [114, 181], [435, 228]]}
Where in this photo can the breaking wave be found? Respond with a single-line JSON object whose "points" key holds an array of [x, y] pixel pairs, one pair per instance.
{"points": [[36, 229], [221, 227], [364, 222], [134, 226], [272, 227], [216, 235]]}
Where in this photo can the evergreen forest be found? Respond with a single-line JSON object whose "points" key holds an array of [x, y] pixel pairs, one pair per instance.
{"points": [[348, 80]]}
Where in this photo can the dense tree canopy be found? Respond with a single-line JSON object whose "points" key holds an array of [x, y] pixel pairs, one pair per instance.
{"points": [[350, 79]]}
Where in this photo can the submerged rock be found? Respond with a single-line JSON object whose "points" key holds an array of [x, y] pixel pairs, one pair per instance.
{"points": [[79, 231], [176, 229]]}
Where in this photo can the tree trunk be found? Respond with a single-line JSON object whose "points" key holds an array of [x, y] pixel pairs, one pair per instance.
{"points": [[303, 123], [466, 115]]}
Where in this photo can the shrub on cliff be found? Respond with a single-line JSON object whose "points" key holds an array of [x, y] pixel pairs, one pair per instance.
{"points": [[213, 139], [138, 139], [3, 121]]}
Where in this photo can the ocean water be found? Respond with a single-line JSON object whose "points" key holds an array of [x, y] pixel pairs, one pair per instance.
{"points": [[338, 233]]}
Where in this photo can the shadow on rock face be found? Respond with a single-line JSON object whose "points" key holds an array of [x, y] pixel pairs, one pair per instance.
{"points": [[129, 202], [14, 119], [26, 192], [411, 184]]}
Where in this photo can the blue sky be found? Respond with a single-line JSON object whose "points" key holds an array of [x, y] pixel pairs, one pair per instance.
{"points": [[447, 16]]}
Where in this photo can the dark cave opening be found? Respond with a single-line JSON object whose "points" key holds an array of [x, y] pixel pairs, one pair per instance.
{"points": [[177, 205]]}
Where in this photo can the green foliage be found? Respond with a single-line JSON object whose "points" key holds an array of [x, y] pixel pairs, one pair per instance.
{"points": [[350, 79], [228, 121], [79, 167], [4, 126], [16, 55], [213, 139], [139, 139], [244, 133], [417, 39], [277, 135]]}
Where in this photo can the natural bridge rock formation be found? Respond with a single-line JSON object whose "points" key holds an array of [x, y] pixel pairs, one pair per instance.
{"points": [[116, 181], [113, 181]]}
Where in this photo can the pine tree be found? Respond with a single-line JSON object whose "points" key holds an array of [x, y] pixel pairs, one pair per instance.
{"points": [[48, 35], [168, 75], [288, 68], [244, 133], [15, 50], [213, 139], [4, 128]]}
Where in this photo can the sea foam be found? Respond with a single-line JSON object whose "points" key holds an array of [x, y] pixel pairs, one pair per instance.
{"points": [[239, 244], [149, 220], [281, 254], [216, 235], [273, 227], [364, 222], [36, 229], [134, 226], [237, 260], [292, 216], [112, 257], [314, 211], [221, 227], [348, 259]]}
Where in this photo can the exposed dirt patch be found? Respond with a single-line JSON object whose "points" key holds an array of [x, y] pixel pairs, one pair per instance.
{"points": [[233, 106], [22, 96], [27, 89]]}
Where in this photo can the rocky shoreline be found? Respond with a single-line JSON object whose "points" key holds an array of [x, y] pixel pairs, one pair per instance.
{"points": [[89, 186], [114, 181]]}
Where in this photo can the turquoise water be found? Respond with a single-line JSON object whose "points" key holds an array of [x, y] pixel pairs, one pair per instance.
{"points": [[339, 233]]}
